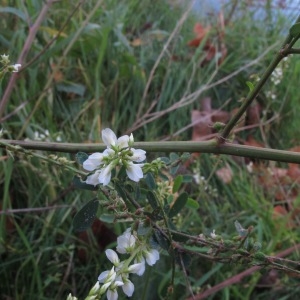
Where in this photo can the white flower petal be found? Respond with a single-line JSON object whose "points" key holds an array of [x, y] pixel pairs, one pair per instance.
{"points": [[16, 67], [112, 295], [93, 161], [105, 174], [134, 171], [108, 137], [108, 152], [138, 155], [112, 256], [102, 276], [152, 257], [107, 276], [137, 268], [126, 242], [123, 141], [128, 288], [93, 179]]}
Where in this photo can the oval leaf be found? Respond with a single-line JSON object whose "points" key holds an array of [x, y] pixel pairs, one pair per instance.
{"points": [[178, 205], [81, 157], [152, 199], [86, 216], [191, 203], [177, 183], [150, 181]]}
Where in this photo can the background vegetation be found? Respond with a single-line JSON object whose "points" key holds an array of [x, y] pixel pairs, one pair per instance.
{"points": [[97, 64]]}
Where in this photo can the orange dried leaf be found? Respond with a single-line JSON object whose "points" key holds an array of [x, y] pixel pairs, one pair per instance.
{"points": [[200, 33]]}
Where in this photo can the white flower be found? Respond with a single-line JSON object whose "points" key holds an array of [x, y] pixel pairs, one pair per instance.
{"points": [[213, 234], [152, 256], [138, 268], [128, 287], [126, 242], [112, 256], [112, 294], [118, 153], [134, 171], [16, 67], [93, 161]]}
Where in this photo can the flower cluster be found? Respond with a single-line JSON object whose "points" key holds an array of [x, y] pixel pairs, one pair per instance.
{"points": [[4, 59], [118, 275], [119, 152]]}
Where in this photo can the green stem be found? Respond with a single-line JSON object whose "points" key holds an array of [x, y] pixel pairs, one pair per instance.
{"points": [[210, 146]]}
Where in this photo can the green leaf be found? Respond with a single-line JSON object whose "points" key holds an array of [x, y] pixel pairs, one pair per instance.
{"points": [[177, 183], [150, 181], [161, 240], [163, 176], [185, 156], [191, 203], [179, 238], [165, 159], [107, 218], [86, 216], [81, 157], [143, 230], [295, 30], [187, 178], [120, 191], [173, 156], [174, 169], [151, 197], [178, 205], [250, 85], [82, 185]]}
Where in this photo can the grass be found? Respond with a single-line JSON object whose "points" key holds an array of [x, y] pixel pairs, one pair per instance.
{"points": [[93, 76]]}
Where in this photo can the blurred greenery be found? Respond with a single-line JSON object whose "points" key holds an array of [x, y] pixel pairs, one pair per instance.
{"points": [[89, 66]]}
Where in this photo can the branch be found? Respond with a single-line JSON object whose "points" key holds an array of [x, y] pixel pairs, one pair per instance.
{"points": [[210, 146]]}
